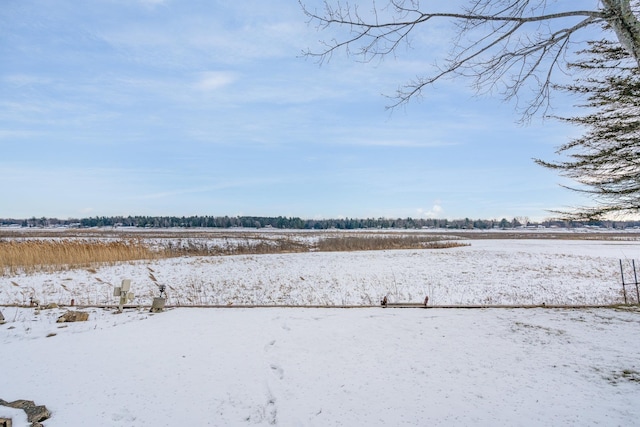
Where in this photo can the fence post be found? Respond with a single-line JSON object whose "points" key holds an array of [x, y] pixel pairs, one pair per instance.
{"points": [[624, 291], [635, 276]]}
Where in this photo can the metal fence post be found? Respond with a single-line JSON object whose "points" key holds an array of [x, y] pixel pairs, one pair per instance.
{"points": [[624, 291], [635, 276]]}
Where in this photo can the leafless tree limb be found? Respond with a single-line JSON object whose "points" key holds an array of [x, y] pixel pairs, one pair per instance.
{"points": [[501, 45]]}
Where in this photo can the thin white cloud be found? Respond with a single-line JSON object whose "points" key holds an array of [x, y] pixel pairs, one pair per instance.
{"points": [[26, 79], [153, 2], [213, 80], [399, 142], [18, 134]]}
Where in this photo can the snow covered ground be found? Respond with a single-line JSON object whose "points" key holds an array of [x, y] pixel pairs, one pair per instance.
{"points": [[327, 367], [330, 366]]}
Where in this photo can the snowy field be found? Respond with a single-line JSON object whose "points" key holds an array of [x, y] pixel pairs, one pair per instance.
{"points": [[331, 366], [327, 367], [495, 271]]}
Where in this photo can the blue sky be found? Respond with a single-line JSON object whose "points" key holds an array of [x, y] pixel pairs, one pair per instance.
{"points": [[151, 107]]}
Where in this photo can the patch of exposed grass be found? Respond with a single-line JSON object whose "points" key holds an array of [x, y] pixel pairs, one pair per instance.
{"points": [[626, 375]]}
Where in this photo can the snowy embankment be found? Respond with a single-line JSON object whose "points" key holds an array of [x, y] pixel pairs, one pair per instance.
{"points": [[487, 272]]}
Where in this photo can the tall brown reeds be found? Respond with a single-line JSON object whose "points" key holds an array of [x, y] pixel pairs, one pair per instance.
{"points": [[47, 255], [31, 256], [246, 246], [378, 243]]}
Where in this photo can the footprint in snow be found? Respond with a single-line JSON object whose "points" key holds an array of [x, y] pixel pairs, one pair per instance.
{"points": [[277, 371]]}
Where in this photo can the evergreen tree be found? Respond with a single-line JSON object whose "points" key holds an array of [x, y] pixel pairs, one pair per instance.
{"points": [[605, 161]]}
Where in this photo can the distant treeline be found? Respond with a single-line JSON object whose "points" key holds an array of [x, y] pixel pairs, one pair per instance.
{"points": [[299, 223]]}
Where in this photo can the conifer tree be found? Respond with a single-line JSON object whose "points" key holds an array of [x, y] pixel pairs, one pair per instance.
{"points": [[605, 160]]}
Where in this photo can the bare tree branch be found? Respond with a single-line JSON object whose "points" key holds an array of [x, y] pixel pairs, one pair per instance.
{"points": [[492, 47]]}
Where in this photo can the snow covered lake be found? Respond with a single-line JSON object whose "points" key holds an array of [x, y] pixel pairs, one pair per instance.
{"points": [[329, 366]]}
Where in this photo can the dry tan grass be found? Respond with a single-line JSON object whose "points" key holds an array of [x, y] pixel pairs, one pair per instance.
{"points": [[31, 256], [378, 243], [42, 255], [244, 246]]}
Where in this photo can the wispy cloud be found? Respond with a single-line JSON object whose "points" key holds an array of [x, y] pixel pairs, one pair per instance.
{"points": [[398, 142], [153, 2], [26, 79], [19, 134], [213, 80]]}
